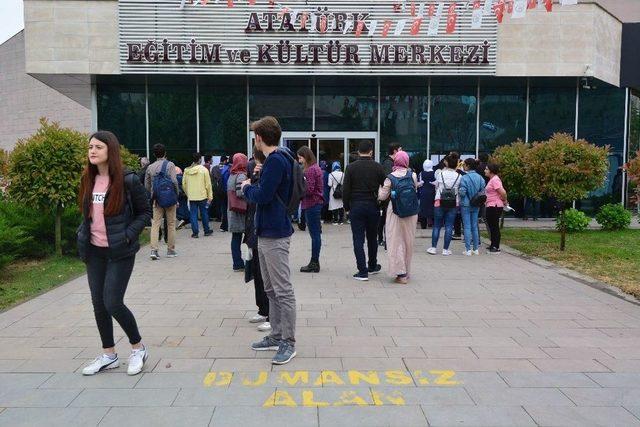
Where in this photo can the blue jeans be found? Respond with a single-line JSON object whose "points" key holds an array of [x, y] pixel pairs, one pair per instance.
{"points": [[312, 217], [236, 253], [364, 217], [448, 216], [194, 207], [470, 223]]}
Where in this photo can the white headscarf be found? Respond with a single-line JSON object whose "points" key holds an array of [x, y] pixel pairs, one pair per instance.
{"points": [[427, 165]]}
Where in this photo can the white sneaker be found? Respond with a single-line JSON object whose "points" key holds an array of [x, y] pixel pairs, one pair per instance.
{"points": [[466, 253], [101, 363], [265, 327], [446, 252], [136, 361], [432, 251], [475, 252], [258, 318]]}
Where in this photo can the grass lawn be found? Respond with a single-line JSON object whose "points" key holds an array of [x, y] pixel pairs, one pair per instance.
{"points": [[25, 279], [610, 256]]}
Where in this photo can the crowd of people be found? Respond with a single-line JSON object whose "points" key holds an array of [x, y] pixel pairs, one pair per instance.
{"points": [[256, 200]]}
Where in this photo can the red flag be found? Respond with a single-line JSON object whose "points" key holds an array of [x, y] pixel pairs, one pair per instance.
{"points": [[283, 11], [549, 5], [359, 28], [432, 10], [303, 20], [509, 7], [415, 28], [532, 4], [229, 3], [323, 24], [476, 4], [499, 10], [252, 2], [452, 18], [385, 28], [413, 8]]}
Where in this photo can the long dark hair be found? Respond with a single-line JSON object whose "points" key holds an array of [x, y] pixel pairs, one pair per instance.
{"points": [[115, 202]]}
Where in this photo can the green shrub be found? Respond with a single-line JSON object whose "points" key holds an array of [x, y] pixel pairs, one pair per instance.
{"points": [[613, 217], [15, 242], [573, 220]]}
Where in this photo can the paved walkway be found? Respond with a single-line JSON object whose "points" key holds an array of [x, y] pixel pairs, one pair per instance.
{"points": [[489, 340]]}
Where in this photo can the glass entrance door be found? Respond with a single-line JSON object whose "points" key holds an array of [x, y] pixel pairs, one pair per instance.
{"points": [[331, 150], [330, 146]]}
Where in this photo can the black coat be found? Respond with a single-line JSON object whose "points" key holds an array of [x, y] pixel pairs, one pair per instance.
{"points": [[123, 230], [427, 194]]}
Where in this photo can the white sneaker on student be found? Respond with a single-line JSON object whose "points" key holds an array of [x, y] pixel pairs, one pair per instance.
{"points": [[101, 363], [258, 318], [466, 253], [265, 327], [446, 252], [475, 252], [432, 251], [136, 361]]}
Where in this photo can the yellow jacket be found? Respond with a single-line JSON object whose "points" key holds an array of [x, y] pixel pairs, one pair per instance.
{"points": [[196, 183]]}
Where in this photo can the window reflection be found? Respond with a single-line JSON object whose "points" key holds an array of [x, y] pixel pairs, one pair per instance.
{"points": [[346, 104], [289, 99], [453, 116], [503, 113], [223, 116], [552, 107], [404, 115]]}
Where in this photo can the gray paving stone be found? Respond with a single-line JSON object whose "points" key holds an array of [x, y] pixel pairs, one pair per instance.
{"points": [[264, 417], [10, 381], [582, 416], [62, 417], [125, 397], [427, 395], [184, 365], [32, 398], [528, 379], [477, 416], [501, 396], [194, 416], [372, 416], [232, 396], [103, 380], [616, 379], [604, 396]]}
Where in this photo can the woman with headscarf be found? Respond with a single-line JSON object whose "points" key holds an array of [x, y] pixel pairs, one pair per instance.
{"points": [[326, 213], [427, 194], [336, 206], [237, 207], [400, 232]]}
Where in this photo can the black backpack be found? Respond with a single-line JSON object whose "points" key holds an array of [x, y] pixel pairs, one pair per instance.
{"points": [[337, 192], [298, 184], [448, 197]]}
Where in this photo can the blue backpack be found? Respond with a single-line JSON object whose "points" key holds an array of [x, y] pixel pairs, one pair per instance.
{"points": [[404, 198], [164, 191]]}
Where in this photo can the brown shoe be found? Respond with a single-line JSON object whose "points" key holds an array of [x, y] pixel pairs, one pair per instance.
{"points": [[401, 280]]}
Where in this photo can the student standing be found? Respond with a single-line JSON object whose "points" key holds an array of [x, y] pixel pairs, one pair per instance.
{"points": [[196, 183], [445, 205], [312, 206], [273, 228], [362, 180], [427, 194], [400, 231], [336, 181], [115, 208], [471, 184], [237, 207], [387, 166], [251, 240], [157, 172], [496, 201]]}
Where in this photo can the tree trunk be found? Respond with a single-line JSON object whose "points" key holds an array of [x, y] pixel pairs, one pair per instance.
{"points": [[58, 231]]}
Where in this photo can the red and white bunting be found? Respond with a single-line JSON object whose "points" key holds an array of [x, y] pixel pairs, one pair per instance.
{"points": [[499, 10], [434, 22], [324, 24], [348, 26], [531, 4], [568, 2], [413, 8], [519, 9], [432, 10], [386, 28], [415, 27], [452, 19], [548, 4], [373, 26], [400, 27], [421, 11], [488, 7], [359, 28]]}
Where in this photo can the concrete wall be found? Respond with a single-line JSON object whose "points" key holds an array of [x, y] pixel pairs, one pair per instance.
{"points": [[71, 36], [561, 43], [23, 99]]}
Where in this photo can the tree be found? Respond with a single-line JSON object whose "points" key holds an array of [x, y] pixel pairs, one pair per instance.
{"points": [[633, 170], [567, 170], [45, 170]]}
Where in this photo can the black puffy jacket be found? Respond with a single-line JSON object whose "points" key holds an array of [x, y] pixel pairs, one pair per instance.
{"points": [[123, 230]]}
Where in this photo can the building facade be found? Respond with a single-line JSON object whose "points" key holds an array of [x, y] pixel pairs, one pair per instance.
{"points": [[193, 76]]}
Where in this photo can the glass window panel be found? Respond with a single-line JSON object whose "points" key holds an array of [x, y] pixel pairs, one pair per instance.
{"points": [[634, 138], [404, 114], [453, 115], [349, 104], [121, 110], [503, 112], [289, 99], [223, 115], [172, 117], [552, 107], [601, 115]]}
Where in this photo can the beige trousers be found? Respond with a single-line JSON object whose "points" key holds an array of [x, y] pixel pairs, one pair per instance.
{"points": [[156, 222]]}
